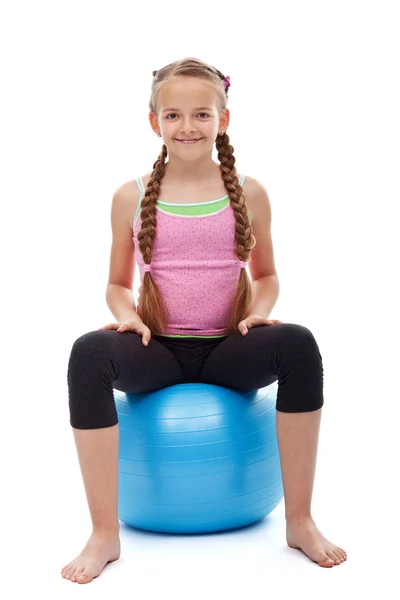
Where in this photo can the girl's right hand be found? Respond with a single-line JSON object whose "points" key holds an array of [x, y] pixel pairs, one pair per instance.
{"points": [[135, 324]]}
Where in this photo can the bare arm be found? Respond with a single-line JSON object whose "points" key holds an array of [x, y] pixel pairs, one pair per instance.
{"points": [[265, 282], [119, 295], [265, 292], [120, 301]]}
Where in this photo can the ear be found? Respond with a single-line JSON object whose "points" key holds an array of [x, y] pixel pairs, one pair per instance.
{"points": [[154, 122], [224, 120]]}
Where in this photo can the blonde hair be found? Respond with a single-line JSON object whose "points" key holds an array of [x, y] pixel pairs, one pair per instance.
{"points": [[151, 307]]}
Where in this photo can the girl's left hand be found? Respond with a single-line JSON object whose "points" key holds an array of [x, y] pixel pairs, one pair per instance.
{"points": [[255, 321]]}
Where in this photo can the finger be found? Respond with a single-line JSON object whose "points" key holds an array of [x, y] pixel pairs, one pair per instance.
{"points": [[259, 321], [264, 321]]}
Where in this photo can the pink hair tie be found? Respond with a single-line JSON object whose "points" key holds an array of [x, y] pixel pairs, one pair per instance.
{"points": [[243, 264], [227, 82], [146, 268]]}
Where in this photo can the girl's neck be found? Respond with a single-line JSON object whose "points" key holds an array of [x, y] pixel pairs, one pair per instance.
{"points": [[195, 173]]}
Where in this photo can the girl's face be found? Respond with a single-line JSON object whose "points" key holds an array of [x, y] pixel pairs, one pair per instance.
{"points": [[187, 110]]}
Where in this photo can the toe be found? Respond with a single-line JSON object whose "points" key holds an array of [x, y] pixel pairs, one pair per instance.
{"points": [[336, 556], [73, 574], [76, 574], [69, 572], [84, 577], [341, 553], [65, 569], [326, 561], [332, 555]]}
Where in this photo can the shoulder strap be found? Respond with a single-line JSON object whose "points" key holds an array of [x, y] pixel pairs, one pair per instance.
{"points": [[140, 185], [139, 182]]}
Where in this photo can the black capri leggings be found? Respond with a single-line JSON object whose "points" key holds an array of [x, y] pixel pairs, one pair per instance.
{"points": [[103, 360]]}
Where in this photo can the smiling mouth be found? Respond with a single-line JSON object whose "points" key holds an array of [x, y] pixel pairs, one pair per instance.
{"points": [[189, 141]]}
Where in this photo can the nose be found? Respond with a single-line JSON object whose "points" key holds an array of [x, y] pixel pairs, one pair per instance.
{"points": [[187, 127]]}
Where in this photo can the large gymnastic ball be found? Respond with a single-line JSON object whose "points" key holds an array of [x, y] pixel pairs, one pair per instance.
{"points": [[197, 458]]}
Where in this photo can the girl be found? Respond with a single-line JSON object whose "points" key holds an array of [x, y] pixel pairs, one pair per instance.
{"points": [[195, 225]]}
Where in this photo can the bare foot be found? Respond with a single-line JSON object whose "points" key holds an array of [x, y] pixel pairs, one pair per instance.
{"points": [[102, 548], [304, 535]]}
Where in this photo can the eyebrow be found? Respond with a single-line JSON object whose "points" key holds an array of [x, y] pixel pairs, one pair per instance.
{"points": [[198, 108]]}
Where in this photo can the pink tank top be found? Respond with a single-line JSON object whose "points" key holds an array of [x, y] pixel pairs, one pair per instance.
{"points": [[194, 264]]}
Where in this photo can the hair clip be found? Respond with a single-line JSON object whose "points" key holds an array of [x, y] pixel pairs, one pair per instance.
{"points": [[227, 82]]}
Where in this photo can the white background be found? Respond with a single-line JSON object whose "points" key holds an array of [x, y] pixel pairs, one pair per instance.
{"points": [[314, 103]]}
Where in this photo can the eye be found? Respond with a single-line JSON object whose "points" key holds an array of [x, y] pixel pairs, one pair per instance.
{"points": [[174, 114]]}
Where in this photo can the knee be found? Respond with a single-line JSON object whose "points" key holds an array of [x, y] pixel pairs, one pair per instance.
{"points": [[88, 341], [300, 371], [90, 347], [297, 333], [91, 372], [299, 341]]}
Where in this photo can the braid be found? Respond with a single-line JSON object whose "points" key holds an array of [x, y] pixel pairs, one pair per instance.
{"points": [[151, 307], [244, 238]]}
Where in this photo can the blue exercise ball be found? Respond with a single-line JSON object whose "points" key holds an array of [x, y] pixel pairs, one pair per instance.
{"points": [[197, 458]]}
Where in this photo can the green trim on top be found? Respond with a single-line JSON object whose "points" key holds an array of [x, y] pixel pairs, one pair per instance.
{"points": [[191, 336], [188, 210], [194, 210]]}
